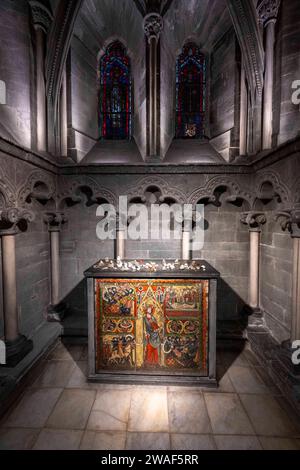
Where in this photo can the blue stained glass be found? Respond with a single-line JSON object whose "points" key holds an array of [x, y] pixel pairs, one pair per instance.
{"points": [[115, 93], [190, 92]]}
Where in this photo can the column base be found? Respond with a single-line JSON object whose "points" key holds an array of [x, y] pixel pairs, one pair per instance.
{"points": [[16, 350], [255, 318], [56, 313]]}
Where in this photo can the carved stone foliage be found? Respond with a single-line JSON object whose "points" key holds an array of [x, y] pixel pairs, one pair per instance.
{"points": [[254, 220], [268, 10], [13, 218], [83, 189], [41, 15], [55, 220], [290, 220], [153, 25]]}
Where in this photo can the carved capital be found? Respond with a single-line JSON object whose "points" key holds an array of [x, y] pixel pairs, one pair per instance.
{"points": [[55, 220], [153, 25], [268, 10], [290, 220], [12, 218], [253, 219], [41, 15]]}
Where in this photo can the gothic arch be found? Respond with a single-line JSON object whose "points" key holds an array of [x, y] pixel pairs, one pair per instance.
{"points": [[166, 190], [81, 187], [232, 187], [280, 191], [38, 185]]}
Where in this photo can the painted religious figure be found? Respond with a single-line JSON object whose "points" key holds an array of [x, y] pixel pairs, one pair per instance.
{"points": [[152, 337]]}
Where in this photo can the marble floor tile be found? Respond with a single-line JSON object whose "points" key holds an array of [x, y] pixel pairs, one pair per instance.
{"points": [[232, 358], [266, 415], [104, 440], [246, 380], [58, 439], [188, 413], [192, 442], [226, 414], [148, 441], [224, 382], [279, 443], [17, 438], [62, 352], [110, 411], [237, 442], [72, 410], [148, 410], [78, 378], [55, 374], [34, 408]]}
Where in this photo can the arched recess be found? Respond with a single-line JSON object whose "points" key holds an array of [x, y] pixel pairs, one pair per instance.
{"points": [[57, 49], [245, 23]]}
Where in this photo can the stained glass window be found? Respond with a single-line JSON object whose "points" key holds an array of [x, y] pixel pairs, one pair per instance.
{"points": [[115, 93], [190, 92]]}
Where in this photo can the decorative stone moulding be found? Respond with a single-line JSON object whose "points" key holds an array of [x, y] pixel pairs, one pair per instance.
{"points": [[153, 25], [41, 15], [55, 220], [268, 10], [290, 220], [253, 219], [10, 219]]}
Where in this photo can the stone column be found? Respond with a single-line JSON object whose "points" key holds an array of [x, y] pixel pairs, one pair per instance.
{"points": [[243, 112], [41, 18], [40, 91], [54, 221], [254, 221], [186, 236], [17, 345], [120, 238], [267, 11], [291, 222], [63, 117], [153, 24]]}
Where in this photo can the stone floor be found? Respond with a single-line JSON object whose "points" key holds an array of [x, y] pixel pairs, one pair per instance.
{"points": [[59, 410]]}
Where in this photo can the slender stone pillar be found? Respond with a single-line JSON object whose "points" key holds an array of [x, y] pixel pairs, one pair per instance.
{"points": [[42, 19], [153, 24], [56, 309], [254, 221], [17, 345], [267, 11], [40, 90], [186, 236], [243, 112], [120, 238], [64, 117], [291, 222]]}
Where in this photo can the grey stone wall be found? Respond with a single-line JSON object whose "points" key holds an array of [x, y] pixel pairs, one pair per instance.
{"points": [[287, 63], [224, 96], [276, 279], [32, 245], [15, 71]]}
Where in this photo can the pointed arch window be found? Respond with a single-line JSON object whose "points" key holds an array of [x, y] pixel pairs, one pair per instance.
{"points": [[115, 93], [190, 92]]}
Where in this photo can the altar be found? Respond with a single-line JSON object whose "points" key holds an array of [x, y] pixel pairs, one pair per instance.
{"points": [[152, 322]]}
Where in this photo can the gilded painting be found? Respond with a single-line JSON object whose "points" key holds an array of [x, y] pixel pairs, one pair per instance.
{"points": [[152, 325]]}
